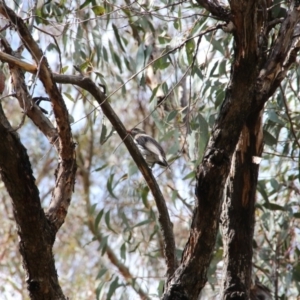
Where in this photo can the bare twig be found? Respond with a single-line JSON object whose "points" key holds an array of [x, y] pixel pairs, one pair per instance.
{"points": [[17, 62], [281, 57]]}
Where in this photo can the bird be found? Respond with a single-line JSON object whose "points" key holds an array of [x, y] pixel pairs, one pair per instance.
{"points": [[150, 149]]}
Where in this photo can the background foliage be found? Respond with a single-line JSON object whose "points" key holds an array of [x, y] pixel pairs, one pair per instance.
{"points": [[110, 245]]}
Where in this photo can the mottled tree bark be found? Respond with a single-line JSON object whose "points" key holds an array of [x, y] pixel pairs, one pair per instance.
{"points": [[36, 234], [238, 211], [250, 87]]}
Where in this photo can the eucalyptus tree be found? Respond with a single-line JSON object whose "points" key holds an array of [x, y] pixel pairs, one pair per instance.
{"points": [[217, 85]]}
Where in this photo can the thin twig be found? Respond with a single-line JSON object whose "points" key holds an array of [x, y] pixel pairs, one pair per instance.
{"points": [[288, 115], [9, 95]]}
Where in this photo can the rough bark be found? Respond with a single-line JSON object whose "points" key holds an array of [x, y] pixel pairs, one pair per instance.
{"points": [[238, 211], [247, 92], [35, 229], [212, 173], [35, 232], [216, 9], [66, 169]]}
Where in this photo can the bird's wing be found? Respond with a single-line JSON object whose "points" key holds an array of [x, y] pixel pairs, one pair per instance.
{"points": [[151, 144]]}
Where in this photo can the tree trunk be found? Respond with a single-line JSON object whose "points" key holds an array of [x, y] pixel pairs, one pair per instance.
{"points": [[238, 211], [36, 234]]}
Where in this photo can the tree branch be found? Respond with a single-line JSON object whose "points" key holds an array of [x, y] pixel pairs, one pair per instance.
{"points": [[65, 172], [164, 218], [216, 9], [240, 101], [36, 234], [281, 57], [45, 75], [30, 109], [17, 62]]}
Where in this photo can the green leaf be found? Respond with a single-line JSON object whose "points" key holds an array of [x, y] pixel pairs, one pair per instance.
{"points": [[262, 189], [274, 117], [100, 168], [157, 120], [189, 48], [161, 63], [118, 37], [269, 139], [101, 273], [118, 61], [197, 71], [64, 69], [98, 218], [172, 115], [147, 53], [274, 184], [154, 92], [142, 223], [84, 4], [115, 57], [107, 221], [176, 24], [103, 134], [156, 228], [144, 194], [140, 58], [123, 251], [105, 55], [69, 96], [98, 289], [165, 88], [296, 272], [222, 68], [109, 185], [190, 175], [160, 288], [220, 96], [103, 244], [213, 69], [112, 288], [273, 206], [218, 46], [92, 209], [192, 143], [128, 65]]}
